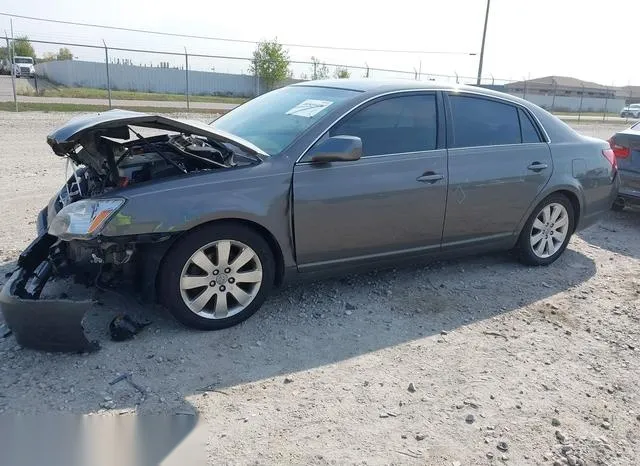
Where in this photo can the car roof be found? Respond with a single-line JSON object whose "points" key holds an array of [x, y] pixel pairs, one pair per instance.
{"points": [[375, 86]]}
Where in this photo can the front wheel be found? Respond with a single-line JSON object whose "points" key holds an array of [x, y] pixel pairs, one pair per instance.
{"points": [[547, 232], [216, 276]]}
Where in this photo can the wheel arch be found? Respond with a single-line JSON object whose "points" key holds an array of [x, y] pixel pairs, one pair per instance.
{"points": [[569, 191], [276, 250]]}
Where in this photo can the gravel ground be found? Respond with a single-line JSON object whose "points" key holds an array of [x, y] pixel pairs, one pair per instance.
{"points": [[474, 361]]}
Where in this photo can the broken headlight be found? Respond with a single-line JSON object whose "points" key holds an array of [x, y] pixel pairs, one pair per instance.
{"points": [[84, 219]]}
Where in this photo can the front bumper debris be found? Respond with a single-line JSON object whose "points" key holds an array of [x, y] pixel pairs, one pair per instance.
{"points": [[43, 324]]}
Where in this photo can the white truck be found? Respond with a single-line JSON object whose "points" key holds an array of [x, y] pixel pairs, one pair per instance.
{"points": [[23, 66]]}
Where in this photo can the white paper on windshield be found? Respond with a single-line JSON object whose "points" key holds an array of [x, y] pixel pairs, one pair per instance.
{"points": [[309, 108]]}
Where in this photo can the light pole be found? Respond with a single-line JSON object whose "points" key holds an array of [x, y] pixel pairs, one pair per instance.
{"points": [[484, 36]]}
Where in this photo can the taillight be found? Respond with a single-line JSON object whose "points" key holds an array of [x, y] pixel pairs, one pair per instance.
{"points": [[618, 151], [611, 157]]}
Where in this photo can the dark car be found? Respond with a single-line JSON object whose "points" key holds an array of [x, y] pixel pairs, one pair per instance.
{"points": [[317, 178], [626, 147]]}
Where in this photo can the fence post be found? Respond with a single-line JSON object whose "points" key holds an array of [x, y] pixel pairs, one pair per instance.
{"points": [[606, 98], [555, 91], [13, 78], [186, 71], [580, 109], [106, 61], [524, 89], [12, 52]]}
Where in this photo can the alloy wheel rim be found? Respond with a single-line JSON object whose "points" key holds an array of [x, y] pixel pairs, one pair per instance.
{"points": [[549, 230], [221, 279]]}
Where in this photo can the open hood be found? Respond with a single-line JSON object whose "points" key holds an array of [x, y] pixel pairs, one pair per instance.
{"points": [[115, 122]]}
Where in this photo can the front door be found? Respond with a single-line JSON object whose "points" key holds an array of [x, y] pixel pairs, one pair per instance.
{"points": [[498, 163], [389, 202]]}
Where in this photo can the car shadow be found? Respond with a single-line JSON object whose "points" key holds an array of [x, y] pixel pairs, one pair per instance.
{"points": [[299, 328], [614, 230]]}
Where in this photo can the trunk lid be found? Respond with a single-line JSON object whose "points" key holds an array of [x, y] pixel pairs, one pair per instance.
{"points": [[629, 158]]}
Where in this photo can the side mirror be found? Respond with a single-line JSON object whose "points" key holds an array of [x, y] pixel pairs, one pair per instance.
{"points": [[337, 149]]}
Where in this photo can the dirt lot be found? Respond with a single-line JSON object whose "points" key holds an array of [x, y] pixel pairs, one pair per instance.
{"points": [[430, 365]]}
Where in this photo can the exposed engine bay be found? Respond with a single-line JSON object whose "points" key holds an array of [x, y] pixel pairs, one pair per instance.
{"points": [[106, 163]]}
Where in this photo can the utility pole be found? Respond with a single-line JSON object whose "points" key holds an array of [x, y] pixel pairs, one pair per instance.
{"points": [[484, 36]]}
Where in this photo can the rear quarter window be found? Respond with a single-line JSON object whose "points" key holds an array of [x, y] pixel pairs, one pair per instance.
{"points": [[529, 131]]}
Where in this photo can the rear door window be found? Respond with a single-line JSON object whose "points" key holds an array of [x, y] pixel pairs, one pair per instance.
{"points": [[394, 125], [483, 122]]}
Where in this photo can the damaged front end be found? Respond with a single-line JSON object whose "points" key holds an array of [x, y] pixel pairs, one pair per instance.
{"points": [[56, 325], [109, 156], [44, 324]]}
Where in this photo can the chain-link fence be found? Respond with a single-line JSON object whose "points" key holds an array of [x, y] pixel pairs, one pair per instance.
{"points": [[89, 77]]}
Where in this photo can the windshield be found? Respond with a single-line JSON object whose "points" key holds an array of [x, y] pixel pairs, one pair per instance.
{"points": [[274, 120], [26, 60]]}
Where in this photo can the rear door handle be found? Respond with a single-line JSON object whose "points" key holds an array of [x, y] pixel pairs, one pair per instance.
{"points": [[537, 166], [430, 177]]}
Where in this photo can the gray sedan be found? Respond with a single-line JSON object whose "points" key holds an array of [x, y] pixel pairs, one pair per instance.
{"points": [[314, 179]]}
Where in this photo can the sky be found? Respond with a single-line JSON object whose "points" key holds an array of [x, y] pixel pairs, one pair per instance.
{"points": [[525, 39]]}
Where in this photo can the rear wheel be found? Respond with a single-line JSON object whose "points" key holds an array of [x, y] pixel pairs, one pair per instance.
{"points": [[547, 232], [217, 276]]}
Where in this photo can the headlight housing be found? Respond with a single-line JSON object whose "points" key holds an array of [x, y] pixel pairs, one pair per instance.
{"points": [[84, 219]]}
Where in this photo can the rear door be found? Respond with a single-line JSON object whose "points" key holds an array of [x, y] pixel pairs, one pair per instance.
{"points": [[628, 158], [498, 163], [389, 202]]}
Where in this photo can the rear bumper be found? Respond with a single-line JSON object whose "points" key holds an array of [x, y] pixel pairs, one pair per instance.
{"points": [[629, 186], [43, 324]]}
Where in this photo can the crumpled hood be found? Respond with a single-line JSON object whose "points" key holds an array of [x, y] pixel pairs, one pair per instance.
{"points": [[65, 138]]}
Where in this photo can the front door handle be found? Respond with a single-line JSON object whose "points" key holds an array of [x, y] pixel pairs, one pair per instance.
{"points": [[537, 166], [430, 177]]}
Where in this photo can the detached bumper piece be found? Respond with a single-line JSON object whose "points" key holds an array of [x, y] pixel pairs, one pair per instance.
{"points": [[44, 324]]}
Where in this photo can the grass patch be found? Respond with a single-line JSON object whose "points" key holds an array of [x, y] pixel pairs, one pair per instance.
{"points": [[53, 107], [90, 93]]}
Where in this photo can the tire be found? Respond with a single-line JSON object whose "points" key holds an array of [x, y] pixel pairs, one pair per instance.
{"points": [[618, 205], [552, 231], [181, 280]]}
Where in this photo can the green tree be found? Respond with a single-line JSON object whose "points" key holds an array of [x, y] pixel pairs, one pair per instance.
{"points": [[64, 54], [341, 73], [270, 63], [319, 70], [23, 48]]}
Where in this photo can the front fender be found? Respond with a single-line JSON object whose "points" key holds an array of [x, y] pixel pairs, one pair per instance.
{"points": [[181, 204]]}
